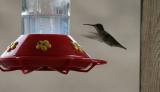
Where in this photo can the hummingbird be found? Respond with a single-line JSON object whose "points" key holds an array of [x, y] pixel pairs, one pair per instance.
{"points": [[105, 36]]}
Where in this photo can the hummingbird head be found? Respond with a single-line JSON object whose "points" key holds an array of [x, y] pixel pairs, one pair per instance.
{"points": [[98, 26]]}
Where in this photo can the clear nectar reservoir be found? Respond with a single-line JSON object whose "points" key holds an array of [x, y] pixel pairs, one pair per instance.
{"points": [[45, 16]]}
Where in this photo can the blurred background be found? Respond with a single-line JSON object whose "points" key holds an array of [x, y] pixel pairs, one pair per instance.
{"points": [[121, 18]]}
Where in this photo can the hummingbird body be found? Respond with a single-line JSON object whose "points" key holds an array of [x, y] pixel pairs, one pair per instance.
{"points": [[105, 36]]}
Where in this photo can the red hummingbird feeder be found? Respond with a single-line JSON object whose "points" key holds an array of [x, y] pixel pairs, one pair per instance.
{"points": [[45, 44]]}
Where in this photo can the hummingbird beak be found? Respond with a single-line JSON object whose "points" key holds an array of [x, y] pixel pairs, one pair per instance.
{"points": [[89, 24]]}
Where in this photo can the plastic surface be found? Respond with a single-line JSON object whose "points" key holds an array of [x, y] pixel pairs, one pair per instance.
{"points": [[47, 52], [46, 16]]}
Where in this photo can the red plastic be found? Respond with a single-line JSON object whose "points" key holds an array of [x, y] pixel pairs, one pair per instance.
{"points": [[62, 56]]}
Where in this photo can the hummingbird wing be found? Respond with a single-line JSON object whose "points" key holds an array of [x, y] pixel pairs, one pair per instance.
{"points": [[96, 37], [110, 40], [94, 33], [91, 36]]}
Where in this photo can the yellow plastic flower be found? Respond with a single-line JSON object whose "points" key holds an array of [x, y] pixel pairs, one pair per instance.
{"points": [[43, 45], [77, 47], [12, 46]]}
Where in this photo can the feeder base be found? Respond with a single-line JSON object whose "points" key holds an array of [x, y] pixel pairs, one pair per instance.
{"points": [[47, 52]]}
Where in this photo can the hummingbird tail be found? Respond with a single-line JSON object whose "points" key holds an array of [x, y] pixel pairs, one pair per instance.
{"points": [[123, 47]]}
